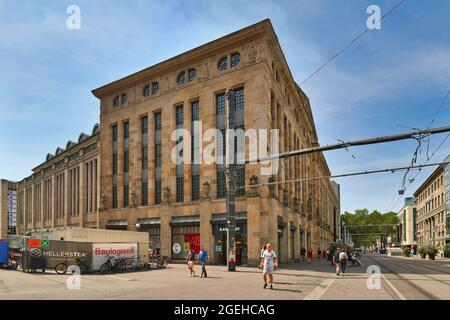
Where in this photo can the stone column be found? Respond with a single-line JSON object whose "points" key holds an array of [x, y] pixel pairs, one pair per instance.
{"points": [[166, 232], [206, 238], [253, 229], [81, 195], [66, 197], [32, 205], [42, 204], [98, 190], [53, 200]]}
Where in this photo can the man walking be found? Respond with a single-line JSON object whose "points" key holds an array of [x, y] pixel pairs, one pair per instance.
{"points": [[336, 261], [203, 258], [268, 263], [302, 253], [343, 257]]}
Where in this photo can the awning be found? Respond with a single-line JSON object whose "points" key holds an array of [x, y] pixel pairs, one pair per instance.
{"points": [[117, 223], [185, 220], [222, 217], [148, 221]]}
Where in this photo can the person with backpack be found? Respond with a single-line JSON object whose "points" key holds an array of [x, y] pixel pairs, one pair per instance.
{"points": [[343, 257], [336, 261], [203, 259]]}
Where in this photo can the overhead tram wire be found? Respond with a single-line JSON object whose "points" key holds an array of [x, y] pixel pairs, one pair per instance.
{"points": [[402, 185], [364, 117], [359, 36], [418, 172], [350, 174]]}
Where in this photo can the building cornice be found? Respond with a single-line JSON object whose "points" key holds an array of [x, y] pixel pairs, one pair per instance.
{"points": [[149, 73]]}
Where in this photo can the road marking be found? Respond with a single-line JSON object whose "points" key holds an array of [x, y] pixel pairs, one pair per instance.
{"points": [[320, 290], [397, 292]]}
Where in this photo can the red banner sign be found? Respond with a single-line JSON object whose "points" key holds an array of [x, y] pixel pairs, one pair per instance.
{"points": [[194, 241], [34, 243]]}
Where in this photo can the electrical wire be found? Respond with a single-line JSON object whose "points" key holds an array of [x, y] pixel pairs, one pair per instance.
{"points": [[359, 36]]}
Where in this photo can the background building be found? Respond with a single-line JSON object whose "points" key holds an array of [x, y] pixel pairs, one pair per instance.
{"points": [[431, 208], [124, 178], [64, 190], [408, 222], [8, 208]]}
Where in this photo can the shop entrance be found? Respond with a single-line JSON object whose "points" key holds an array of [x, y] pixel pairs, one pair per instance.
{"points": [[220, 249], [219, 230], [185, 235]]}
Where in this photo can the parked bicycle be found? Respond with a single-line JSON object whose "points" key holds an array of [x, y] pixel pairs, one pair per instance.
{"points": [[61, 268], [159, 261], [112, 264]]}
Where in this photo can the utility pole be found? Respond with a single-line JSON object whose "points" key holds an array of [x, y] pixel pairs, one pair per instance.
{"points": [[231, 180]]}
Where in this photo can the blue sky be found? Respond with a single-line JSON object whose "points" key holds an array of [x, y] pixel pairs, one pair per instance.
{"points": [[393, 77]]}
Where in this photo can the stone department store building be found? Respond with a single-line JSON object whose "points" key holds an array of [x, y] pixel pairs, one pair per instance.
{"points": [[122, 175]]}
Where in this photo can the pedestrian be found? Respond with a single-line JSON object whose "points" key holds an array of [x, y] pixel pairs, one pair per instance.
{"points": [[412, 251], [336, 261], [302, 254], [310, 255], [319, 254], [330, 254], [262, 250], [190, 259], [343, 257], [203, 259], [268, 263], [324, 253]]}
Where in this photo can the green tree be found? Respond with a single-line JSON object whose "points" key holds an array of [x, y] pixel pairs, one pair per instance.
{"points": [[366, 228]]}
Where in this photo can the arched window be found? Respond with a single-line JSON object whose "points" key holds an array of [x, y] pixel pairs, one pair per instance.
{"points": [[59, 151], [116, 101], [180, 78], [70, 144], [155, 87], [146, 91], [235, 58], [124, 98], [223, 64], [192, 73], [83, 136], [95, 129]]}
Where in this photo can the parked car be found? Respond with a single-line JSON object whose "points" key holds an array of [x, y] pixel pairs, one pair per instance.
{"points": [[383, 251]]}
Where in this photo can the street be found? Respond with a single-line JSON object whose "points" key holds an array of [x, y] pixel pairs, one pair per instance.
{"points": [[401, 279]]}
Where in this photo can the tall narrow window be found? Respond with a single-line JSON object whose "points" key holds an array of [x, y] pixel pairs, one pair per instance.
{"points": [[157, 157], [239, 140], [195, 149], [126, 163], [144, 157], [220, 104], [155, 87], [179, 116], [220, 145], [114, 166]]}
